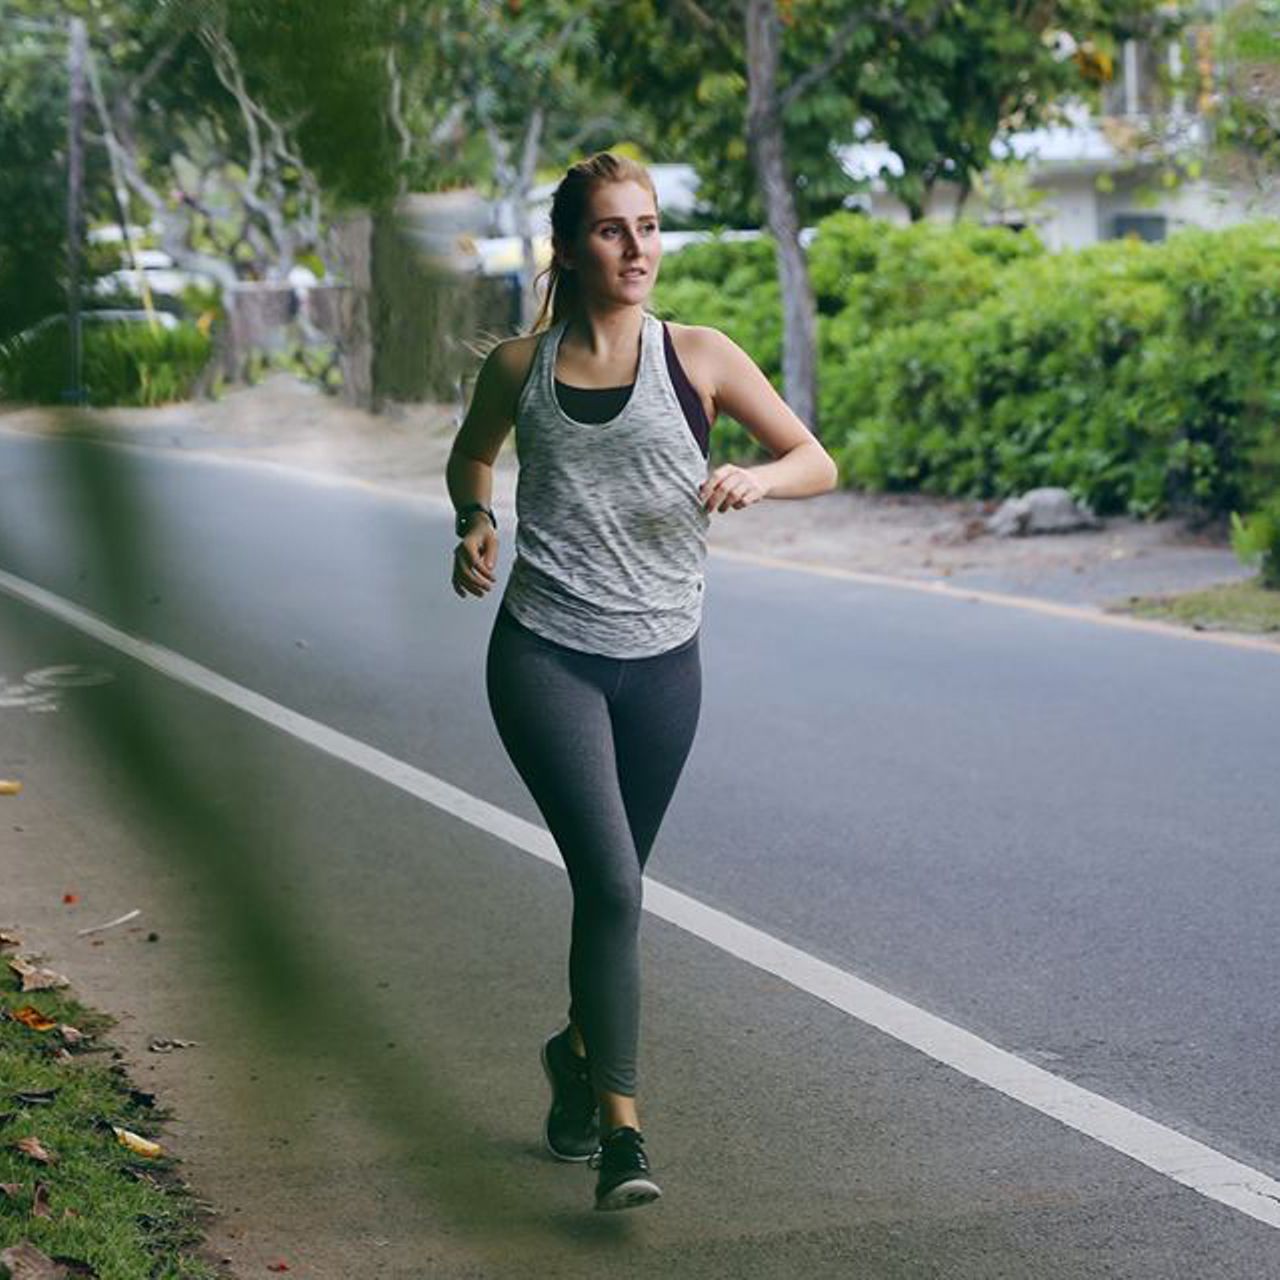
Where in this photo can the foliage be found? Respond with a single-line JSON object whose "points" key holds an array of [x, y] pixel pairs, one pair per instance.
{"points": [[108, 1211], [868, 275], [1145, 378], [124, 364], [33, 216], [1257, 540], [1247, 607], [1247, 124], [936, 81], [731, 285]]}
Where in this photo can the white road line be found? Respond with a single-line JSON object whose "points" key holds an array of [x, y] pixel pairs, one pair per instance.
{"points": [[1168, 1152]]}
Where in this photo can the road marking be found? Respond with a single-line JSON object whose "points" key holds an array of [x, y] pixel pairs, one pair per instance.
{"points": [[1005, 600], [1182, 1159]]}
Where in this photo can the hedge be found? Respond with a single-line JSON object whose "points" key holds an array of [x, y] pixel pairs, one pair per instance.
{"points": [[967, 361]]}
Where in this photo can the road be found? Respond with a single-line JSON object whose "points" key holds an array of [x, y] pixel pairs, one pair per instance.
{"points": [[1055, 835]]}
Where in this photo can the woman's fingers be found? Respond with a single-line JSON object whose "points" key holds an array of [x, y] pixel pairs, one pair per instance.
{"points": [[470, 571]]}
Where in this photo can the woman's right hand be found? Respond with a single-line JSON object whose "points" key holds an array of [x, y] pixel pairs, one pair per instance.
{"points": [[474, 560]]}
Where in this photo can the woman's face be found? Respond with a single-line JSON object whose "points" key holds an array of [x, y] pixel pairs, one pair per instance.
{"points": [[618, 249]]}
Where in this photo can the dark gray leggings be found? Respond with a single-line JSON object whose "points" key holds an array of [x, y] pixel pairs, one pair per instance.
{"points": [[600, 742]]}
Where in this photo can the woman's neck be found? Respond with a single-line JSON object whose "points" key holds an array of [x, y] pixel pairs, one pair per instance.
{"points": [[605, 336]]}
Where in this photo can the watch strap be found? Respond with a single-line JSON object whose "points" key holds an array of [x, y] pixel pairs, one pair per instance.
{"points": [[465, 512]]}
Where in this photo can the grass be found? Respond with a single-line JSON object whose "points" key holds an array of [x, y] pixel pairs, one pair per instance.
{"points": [[1234, 606], [127, 1216]]}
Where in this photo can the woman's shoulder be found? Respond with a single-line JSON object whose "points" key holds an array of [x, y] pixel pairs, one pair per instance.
{"points": [[700, 349], [512, 358]]}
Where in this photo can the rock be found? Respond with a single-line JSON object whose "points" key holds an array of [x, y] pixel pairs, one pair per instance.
{"points": [[1041, 511]]}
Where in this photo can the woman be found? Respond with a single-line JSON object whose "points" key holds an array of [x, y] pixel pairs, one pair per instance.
{"points": [[593, 669]]}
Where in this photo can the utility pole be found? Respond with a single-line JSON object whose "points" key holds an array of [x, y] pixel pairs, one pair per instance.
{"points": [[76, 50]]}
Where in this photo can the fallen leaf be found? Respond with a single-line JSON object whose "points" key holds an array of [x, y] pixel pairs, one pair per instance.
{"points": [[162, 1044], [70, 897], [72, 1035], [34, 1148], [62, 1055], [34, 978], [8, 939], [278, 1266], [36, 1097], [11, 1189], [26, 1262], [9, 786], [40, 1202], [142, 1146], [33, 1018]]}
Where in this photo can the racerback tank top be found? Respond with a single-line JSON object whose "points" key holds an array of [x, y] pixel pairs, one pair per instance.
{"points": [[610, 532]]}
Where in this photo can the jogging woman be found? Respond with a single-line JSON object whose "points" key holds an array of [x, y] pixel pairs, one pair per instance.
{"points": [[593, 671]]}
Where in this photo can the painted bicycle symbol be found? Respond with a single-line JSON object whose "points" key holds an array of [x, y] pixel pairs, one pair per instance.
{"points": [[39, 690]]}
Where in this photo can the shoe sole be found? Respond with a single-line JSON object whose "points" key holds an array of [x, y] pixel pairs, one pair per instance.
{"points": [[630, 1195], [546, 1124]]}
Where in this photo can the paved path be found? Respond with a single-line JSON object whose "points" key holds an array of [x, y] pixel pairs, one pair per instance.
{"points": [[1056, 835]]}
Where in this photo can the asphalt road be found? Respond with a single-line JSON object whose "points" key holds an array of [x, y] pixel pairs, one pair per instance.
{"points": [[1059, 835]]}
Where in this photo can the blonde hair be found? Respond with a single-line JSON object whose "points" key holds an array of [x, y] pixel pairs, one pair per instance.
{"points": [[568, 212]]}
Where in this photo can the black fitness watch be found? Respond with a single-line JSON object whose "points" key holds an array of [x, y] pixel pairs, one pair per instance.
{"points": [[464, 514]]}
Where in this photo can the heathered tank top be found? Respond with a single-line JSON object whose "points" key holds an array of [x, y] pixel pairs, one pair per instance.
{"points": [[610, 532]]}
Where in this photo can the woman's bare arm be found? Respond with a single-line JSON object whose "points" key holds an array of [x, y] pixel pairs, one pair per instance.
{"points": [[802, 467]]}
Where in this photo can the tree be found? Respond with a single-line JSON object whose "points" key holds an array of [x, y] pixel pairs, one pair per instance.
{"points": [[33, 142], [509, 71], [781, 83], [1245, 101]]}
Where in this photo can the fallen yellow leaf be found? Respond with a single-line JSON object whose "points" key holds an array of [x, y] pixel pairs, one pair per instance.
{"points": [[33, 1018], [141, 1146]]}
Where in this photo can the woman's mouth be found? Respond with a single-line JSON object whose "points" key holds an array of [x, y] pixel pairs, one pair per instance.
{"points": [[634, 272]]}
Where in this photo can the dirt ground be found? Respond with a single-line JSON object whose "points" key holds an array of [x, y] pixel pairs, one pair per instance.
{"points": [[288, 422]]}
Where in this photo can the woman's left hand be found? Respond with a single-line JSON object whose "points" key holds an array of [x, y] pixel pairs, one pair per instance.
{"points": [[731, 486]]}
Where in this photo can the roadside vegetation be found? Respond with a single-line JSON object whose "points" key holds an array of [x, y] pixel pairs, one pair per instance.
{"points": [[969, 363], [84, 1179], [1234, 606]]}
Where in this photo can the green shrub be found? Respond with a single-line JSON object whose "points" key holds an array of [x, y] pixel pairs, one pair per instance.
{"points": [[1256, 540], [124, 364], [966, 361], [869, 276], [732, 286]]}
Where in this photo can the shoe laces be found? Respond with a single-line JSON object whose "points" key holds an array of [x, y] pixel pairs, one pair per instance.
{"points": [[623, 1145]]}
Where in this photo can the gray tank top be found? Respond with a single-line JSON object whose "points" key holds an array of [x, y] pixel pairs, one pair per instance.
{"points": [[610, 533]]}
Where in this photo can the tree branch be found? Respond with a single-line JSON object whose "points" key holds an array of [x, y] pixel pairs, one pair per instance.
{"points": [[890, 19]]}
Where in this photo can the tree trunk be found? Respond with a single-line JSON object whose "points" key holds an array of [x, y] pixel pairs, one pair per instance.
{"points": [[764, 136]]}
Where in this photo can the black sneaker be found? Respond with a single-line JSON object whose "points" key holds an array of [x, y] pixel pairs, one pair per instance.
{"points": [[572, 1128], [625, 1181]]}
